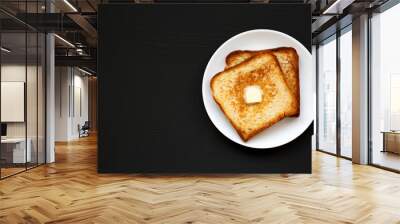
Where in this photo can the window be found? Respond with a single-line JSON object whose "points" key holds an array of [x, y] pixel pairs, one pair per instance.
{"points": [[385, 89], [346, 93], [334, 106], [394, 105], [327, 96]]}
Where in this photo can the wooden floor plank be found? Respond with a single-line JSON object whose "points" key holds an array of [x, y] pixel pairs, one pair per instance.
{"points": [[71, 191]]}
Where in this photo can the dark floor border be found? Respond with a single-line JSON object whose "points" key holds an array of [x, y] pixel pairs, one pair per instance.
{"points": [[333, 154], [369, 164]]}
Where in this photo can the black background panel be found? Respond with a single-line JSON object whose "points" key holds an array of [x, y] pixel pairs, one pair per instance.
{"points": [[151, 63]]}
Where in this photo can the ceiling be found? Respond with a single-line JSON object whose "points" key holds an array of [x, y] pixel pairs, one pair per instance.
{"points": [[76, 21]]}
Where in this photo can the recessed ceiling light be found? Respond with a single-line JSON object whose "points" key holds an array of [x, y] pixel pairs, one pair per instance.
{"points": [[5, 50], [338, 6], [70, 5], [64, 40], [84, 71]]}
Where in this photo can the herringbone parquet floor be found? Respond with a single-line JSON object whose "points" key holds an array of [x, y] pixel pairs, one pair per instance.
{"points": [[70, 191]]}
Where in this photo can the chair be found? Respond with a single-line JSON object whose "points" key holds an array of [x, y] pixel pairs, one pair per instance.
{"points": [[84, 130]]}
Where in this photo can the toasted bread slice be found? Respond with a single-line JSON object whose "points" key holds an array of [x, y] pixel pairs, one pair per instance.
{"points": [[277, 101], [289, 63]]}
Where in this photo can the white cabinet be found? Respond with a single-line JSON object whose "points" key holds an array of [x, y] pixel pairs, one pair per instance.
{"points": [[19, 154]]}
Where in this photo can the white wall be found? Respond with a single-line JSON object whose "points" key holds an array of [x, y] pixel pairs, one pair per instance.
{"points": [[15, 72], [33, 127], [71, 102], [62, 81], [314, 71], [80, 103]]}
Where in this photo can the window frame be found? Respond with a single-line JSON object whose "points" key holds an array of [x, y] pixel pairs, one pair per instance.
{"points": [[336, 36], [381, 9]]}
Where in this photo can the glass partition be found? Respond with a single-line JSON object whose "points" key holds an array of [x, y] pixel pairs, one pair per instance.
{"points": [[32, 95], [15, 151], [22, 88], [41, 97]]}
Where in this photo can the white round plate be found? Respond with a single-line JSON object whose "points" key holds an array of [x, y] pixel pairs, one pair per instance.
{"points": [[289, 128]]}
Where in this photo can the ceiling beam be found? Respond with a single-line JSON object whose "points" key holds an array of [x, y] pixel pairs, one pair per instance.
{"points": [[81, 61], [84, 24]]}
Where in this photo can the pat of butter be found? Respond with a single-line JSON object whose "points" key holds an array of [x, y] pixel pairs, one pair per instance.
{"points": [[252, 94]]}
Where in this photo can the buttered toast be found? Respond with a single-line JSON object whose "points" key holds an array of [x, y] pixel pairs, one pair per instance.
{"points": [[288, 61], [253, 95]]}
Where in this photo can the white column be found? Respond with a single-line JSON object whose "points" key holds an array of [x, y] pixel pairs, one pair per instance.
{"points": [[360, 90], [50, 92], [50, 99], [63, 85]]}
